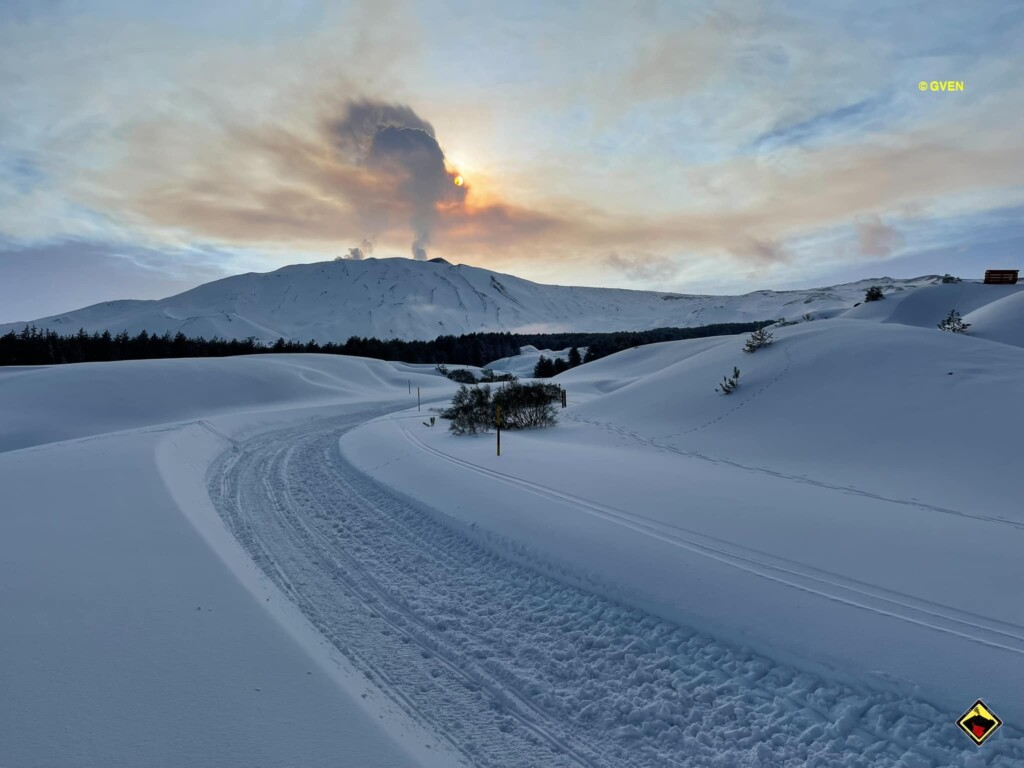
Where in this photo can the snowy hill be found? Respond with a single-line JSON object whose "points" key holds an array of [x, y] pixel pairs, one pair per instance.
{"points": [[402, 298], [131, 615], [859, 490], [827, 561], [523, 364]]}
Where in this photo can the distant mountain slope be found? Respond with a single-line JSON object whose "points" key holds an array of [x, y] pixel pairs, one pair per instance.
{"points": [[408, 299]]}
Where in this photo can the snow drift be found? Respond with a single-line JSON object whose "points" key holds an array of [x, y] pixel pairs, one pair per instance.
{"points": [[858, 493]]}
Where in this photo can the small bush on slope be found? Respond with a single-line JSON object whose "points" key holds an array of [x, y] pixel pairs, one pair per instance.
{"points": [[874, 293], [523, 406], [954, 323], [759, 338], [729, 384], [463, 376], [471, 410]]}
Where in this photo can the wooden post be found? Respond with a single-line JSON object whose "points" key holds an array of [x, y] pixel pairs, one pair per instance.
{"points": [[497, 423], [417, 398], [563, 397]]}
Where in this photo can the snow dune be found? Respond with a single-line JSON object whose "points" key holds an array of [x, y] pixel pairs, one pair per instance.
{"points": [[49, 404], [135, 629], [273, 560], [928, 305], [854, 507], [522, 365]]}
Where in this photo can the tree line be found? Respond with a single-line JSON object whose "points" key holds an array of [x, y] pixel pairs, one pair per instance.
{"points": [[34, 346]]}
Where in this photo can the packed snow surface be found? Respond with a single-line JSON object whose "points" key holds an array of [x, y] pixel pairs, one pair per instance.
{"points": [[275, 560], [389, 298], [853, 510], [135, 630]]}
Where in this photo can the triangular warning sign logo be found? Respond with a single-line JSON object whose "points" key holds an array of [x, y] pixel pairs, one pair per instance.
{"points": [[979, 722]]}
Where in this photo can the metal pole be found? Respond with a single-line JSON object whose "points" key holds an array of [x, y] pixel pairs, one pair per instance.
{"points": [[410, 386], [417, 398], [497, 422]]}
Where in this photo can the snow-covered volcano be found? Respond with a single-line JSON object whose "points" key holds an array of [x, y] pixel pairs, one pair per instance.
{"points": [[402, 298]]}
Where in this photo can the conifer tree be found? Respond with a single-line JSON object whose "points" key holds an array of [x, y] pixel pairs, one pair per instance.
{"points": [[954, 323], [730, 383]]}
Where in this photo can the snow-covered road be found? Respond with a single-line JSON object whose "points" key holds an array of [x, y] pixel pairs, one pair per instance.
{"points": [[515, 668]]}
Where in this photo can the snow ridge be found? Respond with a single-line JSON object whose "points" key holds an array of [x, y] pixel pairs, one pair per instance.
{"points": [[388, 298]]}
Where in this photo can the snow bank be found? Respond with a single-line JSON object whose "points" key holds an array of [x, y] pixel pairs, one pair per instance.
{"points": [[135, 630], [1001, 320], [928, 305], [61, 402], [522, 365], [852, 507]]}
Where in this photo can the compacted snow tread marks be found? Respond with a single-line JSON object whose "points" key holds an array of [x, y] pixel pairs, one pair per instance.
{"points": [[514, 668], [798, 575]]}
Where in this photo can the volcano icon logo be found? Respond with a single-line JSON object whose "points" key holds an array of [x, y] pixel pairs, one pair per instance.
{"points": [[979, 722]]}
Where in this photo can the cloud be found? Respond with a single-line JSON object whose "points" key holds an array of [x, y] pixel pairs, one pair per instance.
{"points": [[845, 119], [877, 238], [42, 280], [642, 267]]}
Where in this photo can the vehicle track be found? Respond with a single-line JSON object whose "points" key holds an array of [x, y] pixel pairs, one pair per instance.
{"points": [[862, 595], [514, 668]]}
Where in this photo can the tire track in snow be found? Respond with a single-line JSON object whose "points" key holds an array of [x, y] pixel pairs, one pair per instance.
{"points": [[826, 584], [516, 669]]}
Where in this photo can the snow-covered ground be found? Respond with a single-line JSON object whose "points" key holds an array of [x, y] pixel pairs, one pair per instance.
{"points": [[523, 364], [408, 299], [852, 510], [273, 560], [135, 629]]}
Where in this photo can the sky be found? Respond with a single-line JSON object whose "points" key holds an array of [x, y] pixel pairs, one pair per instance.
{"points": [[705, 147]]}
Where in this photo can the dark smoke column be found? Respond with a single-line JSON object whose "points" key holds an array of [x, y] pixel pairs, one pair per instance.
{"points": [[392, 139]]}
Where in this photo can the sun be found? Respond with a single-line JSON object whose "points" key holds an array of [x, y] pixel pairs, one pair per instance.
{"points": [[459, 181]]}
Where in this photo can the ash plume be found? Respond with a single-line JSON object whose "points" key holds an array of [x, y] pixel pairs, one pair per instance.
{"points": [[358, 252], [393, 141]]}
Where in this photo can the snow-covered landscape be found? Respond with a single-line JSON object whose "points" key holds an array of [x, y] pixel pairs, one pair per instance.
{"points": [[406, 299], [275, 559], [438, 384]]}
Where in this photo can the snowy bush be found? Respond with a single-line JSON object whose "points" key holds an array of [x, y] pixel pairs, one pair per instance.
{"points": [[759, 338], [463, 376], [948, 278], [874, 293], [523, 406], [460, 375], [470, 411], [729, 384], [487, 375], [954, 323]]}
